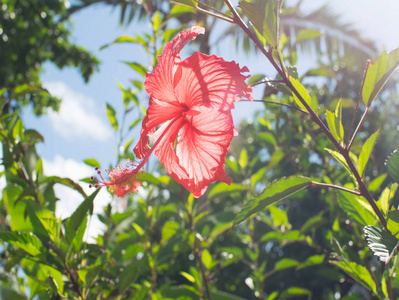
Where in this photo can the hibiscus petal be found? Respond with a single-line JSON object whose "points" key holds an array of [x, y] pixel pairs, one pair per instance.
{"points": [[202, 147], [159, 84], [157, 113], [211, 81]]}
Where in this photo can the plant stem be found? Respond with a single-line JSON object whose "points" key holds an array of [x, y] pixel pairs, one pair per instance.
{"points": [[362, 187], [357, 128], [337, 187], [74, 282], [359, 96], [277, 103]]}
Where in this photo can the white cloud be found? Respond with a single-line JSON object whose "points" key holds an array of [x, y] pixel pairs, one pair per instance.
{"points": [[75, 117], [70, 199]]}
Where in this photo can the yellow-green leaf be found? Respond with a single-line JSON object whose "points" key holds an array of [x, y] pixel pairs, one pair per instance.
{"points": [[366, 151]]}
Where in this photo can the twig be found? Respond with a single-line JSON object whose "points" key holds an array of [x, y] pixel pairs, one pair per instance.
{"points": [[362, 187], [277, 103], [337, 187], [357, 128], [359, 96], [74, 282]]}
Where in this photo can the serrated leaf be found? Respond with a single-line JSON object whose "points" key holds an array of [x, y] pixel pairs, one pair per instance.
{"points": [[357, 208], [366, 151], [263, 15], [381, 243], [357, 272], [25, 241], [111, 113], [392, 164], [340, 158], [303, 92], [378, 75], [276, 191]]}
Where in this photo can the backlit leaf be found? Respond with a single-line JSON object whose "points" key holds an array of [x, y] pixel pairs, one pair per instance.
{"points": [[111, 113], [276, 191], [378, 75], [392, 164], [303, 92], [366, 151], [381, 243], [357, 272]]}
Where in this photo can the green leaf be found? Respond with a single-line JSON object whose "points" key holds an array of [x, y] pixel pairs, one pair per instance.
{"points": [[276, 191], [126, 39], [340, 158], [392, 164], [111, 113], [385, 199], [156, 21], [25, 241], [188, 276], [366, 151], [206, 259], [75, 220], [92, 162], [313, 260], [307, 34], [268, 137], [178, 10], [285, 263], [393, 221], [67, 182], [222, 189], [169, 229], [129, 275], [263, 15], [357, 272], [139, 68], [293, 292], [378, 75], [190, 3], [381, 243], [357, 208], [243, 160], [303, 92]]}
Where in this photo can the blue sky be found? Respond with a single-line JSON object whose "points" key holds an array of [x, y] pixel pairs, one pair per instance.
{"points": [[81, 128]]}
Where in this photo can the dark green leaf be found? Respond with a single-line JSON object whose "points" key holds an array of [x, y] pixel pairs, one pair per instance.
{"points": [[276, 191], [75, 220]]}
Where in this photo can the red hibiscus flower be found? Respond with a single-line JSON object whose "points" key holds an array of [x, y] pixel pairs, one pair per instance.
{"points": [[193, 98]]}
